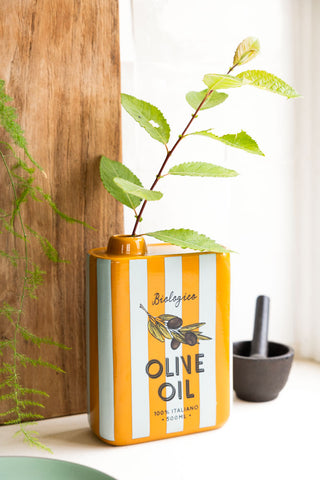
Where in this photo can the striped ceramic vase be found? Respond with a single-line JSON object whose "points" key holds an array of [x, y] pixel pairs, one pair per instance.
{"points": [[158, 344]]}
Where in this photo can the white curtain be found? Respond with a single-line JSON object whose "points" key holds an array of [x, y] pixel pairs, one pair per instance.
{"points": [[306, 42], [269, 214]]}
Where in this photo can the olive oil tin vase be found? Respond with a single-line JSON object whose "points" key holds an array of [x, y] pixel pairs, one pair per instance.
{"points": [[158, 344]]}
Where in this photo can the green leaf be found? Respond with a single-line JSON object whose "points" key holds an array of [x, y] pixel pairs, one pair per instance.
{"points": [[195, 98], [148, 116], [134, 189], [238, 140], [188, 239], [214, 81], [246, 51], [267, 81], [201, 169], [109, 170]]}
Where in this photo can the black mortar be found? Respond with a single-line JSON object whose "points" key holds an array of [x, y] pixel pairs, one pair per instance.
{"points": [[260, 368]]}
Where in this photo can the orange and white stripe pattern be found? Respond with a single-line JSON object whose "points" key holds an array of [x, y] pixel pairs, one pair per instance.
{"points": [[140, 389]]}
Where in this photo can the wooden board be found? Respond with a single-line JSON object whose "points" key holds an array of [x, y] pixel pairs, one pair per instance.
{"points": [[60, 60]]}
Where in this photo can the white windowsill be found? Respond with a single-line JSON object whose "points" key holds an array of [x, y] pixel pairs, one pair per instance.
{"points": [[274, 440]]}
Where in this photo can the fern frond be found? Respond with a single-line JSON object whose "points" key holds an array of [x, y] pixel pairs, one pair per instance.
{"points": [[27, 403], [23, 197], [40, 340], [6, 344], [25, 360], [62, 215], [8, 412], [13, 257], [27, 391], [21, 164], [7, 368], [9, 381], [34, 280], [8, 120], [47, 248], [11, 230], [8, 311], [24, 416], [8, 396], [31, 416], [21, 179], [32, 439]]}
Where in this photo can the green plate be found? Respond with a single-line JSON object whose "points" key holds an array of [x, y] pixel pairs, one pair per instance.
{"points": [[33, 468]]}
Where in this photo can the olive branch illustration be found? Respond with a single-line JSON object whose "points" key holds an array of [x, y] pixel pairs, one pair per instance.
{"points": [[170, 326]]}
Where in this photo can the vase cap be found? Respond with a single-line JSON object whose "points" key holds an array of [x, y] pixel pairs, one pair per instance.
{"points": [[127, 245]]}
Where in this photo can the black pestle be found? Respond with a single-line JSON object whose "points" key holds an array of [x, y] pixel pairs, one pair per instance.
{"points": [[260, 368], [259, 344]]}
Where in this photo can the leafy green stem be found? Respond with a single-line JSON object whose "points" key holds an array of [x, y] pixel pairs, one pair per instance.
{"points": [[24, 286], [169, 153]]}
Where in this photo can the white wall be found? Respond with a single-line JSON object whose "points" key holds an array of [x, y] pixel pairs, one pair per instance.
{"points": [[166, 48]]}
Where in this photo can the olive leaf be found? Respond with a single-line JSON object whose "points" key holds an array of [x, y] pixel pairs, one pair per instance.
{"points": [[192, 326], [186, 238], [238, 140], [137, 190], [214, 81], [267, 81], [155, 332], [201, 169], [246, 51], [148, 116], [195, 98], [163, 331], [178, 336], [202, 337], [165, 317], [110, 169]]}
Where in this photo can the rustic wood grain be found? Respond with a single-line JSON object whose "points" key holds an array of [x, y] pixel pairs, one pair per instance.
{"points": [[60, 60]]}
